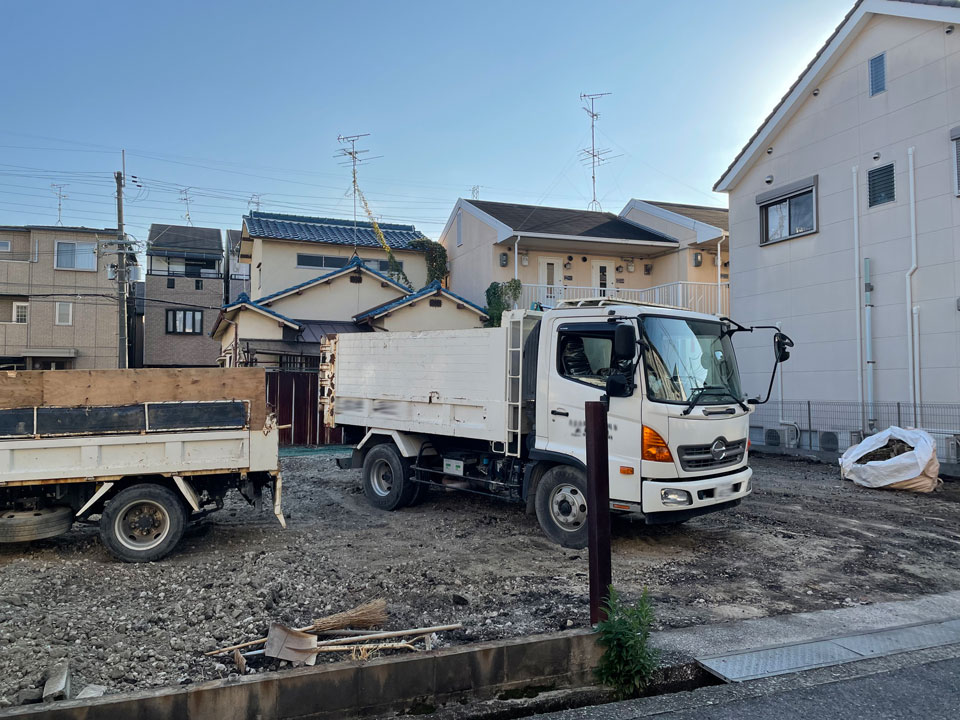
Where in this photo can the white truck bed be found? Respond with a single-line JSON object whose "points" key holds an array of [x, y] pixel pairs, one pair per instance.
{"points": [[449, 382]]}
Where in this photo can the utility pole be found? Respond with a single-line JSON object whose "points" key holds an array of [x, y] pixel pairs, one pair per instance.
{"points": [[593, 155], [122, 362]]}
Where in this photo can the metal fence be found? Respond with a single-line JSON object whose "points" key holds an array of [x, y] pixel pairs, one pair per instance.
{"points": [[832, 427], [697, 296]]}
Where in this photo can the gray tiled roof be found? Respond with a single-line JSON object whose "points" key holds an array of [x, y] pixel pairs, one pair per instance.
{"points": [[172, 239], [718, 217], [328, 230], [566, 221]]}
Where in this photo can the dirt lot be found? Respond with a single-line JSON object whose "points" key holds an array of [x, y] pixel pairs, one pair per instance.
{"points": [[803, 541]]}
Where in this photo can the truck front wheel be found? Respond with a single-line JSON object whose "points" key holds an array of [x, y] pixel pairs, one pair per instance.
{"points": [[142, 523], [562, 506], [386, 478]]}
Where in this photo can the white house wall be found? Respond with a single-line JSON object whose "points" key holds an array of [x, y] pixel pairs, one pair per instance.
{"points": [[423, 316], [471, 268], [807, 283]]}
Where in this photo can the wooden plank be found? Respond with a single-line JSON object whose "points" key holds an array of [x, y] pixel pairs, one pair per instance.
{"points": [[84, 388], [20, 389]]}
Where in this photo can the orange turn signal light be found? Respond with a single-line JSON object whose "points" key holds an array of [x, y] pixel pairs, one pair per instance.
{"points": [[626, 470], [654, 448]]}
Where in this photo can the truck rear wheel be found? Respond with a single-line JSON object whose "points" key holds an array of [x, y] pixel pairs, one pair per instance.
{"points": [[562, 506], [386, 478], [142, 523], [27, 525]]}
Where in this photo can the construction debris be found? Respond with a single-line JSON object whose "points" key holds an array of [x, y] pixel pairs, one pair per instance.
{"points": [[368, 615], [91, 691], [285, 643], [894, 459], [57, 686], [240, 662], [893, 448]]}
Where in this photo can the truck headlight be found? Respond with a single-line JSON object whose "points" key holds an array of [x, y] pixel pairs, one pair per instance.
{"points": [[671, 496]]}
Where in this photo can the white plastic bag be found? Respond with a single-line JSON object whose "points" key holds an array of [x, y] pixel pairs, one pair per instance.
{"points": [[915, 470]]}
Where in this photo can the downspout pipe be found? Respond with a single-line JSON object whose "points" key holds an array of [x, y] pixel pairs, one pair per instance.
{"points": [[516, 262], [720, 277], [868, 323], [912, 350], [856, 289]]}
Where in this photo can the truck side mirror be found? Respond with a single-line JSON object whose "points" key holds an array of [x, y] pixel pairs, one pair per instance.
{"points": [[624, 342], [780, 344], [618, 385]]}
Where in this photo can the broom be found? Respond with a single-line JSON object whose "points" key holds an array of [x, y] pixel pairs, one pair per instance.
{"points": [[368, 615]]}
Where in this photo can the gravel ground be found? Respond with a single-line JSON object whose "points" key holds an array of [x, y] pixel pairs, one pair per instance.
{"points": [[804, 540]]}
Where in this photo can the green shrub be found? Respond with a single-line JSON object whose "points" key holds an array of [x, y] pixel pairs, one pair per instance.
{"points": [[495, 304], [628, 661]]}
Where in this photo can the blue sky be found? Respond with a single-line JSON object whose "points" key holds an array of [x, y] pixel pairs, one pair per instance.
{"points": [[232, 99]]}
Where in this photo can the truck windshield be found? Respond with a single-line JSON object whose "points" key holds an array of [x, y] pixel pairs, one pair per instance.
{"points": [[683, 355]]}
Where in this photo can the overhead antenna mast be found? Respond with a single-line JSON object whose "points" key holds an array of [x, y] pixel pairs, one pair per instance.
{"points": [[351, 157], [254, 202], [593, 155], [185, 199], [61, 196]]}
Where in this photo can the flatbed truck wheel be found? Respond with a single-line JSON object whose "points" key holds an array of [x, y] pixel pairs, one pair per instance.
{"points": [[27, 525], [561, 504], [386, 478], [142, 523]]}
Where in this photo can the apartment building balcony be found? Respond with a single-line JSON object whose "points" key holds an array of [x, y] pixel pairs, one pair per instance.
{"points": [[697, 296]]}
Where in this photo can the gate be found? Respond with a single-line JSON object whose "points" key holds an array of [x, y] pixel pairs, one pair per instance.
{"points": [[295, 398]]}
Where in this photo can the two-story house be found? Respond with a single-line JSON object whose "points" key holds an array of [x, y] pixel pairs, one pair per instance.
{"points": [[650, 252], [845, 219], [58, 298], [316, 277], [183, 293]]}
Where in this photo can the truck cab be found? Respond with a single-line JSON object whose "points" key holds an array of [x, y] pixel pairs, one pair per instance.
{"points": [[678, 429]]}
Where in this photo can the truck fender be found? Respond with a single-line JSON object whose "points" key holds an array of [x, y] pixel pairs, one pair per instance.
{"points": [[544, 460], [95, 498], [188, 493], [407, 443]]}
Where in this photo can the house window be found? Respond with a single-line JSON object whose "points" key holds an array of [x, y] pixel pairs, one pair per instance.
{"points": [[64, 315], [956, 163], [459, 228], [881, 186], [198, 284], [171, 283], [200, 268], [76, 256], [320, 261], [878, 74], [383, 265], [788, 212], [4, 246], [21, 313], [184, 322]]}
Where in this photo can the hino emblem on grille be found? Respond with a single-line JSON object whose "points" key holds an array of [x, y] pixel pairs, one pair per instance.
{"points": [[719, 449]]}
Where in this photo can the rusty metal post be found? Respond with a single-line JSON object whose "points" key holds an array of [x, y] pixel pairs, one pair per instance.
{"points": [[598, 508]]}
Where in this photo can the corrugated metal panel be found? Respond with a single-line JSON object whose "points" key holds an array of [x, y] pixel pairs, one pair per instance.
{"points": [[878, 74], [881, 186]]}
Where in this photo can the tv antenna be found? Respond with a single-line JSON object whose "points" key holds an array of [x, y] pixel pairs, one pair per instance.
{"points": [[351, 157], [185, 199], [254, 202], [475, 192], [594, 155], [61, 196]]}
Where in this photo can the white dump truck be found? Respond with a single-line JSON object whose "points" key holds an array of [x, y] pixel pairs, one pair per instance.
{"points": [[500, 411], [146, 450]]}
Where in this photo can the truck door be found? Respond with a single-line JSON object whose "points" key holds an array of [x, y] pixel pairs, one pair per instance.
{"points": [[580, 363]]}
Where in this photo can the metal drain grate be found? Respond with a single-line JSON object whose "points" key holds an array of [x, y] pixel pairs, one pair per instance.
{"points": [[782, 659]]}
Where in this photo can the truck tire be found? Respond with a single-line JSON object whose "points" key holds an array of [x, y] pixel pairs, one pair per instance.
{"points": [[420, 492], [27, 525], [562, 506], [386, 478], [142, 523]]}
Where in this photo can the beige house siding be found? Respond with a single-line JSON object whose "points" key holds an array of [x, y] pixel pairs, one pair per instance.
{"points": [[93, 334], [278, 264], [340, 299], [808, 283], [163, 349], [424, 316], [471, 267]]}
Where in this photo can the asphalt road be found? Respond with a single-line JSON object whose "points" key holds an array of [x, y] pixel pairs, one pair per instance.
{"points": [[927, 690]]}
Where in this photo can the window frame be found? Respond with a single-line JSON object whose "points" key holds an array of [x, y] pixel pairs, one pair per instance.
{"points": [[893, 168], [785, 194], [459, 228], [56, 313], [173, 312], [882, 57], [26, 316], [198, 283], [582, 330], [8, 248], [955, 141], [56, 256]]}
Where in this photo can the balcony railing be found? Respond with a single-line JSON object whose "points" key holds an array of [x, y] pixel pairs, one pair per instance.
{"points": [[696, 296]]}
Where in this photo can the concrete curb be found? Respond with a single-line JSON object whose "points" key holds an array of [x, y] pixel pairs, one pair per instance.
{"points": [[354, 689]]}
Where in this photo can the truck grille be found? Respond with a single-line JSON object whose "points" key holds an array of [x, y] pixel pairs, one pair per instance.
{"points": [[719, 453]]}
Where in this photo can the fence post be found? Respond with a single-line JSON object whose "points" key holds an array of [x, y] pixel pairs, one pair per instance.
{"points": [[809, 426], [899, 424], [598, 508]]}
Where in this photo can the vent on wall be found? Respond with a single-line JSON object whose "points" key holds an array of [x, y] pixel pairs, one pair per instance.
{"points": [[878, 74], [881, 186]]}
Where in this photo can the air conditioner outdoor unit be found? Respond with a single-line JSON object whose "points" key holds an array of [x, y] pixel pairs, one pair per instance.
{"points": [[828, 441], [773, 437]]}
